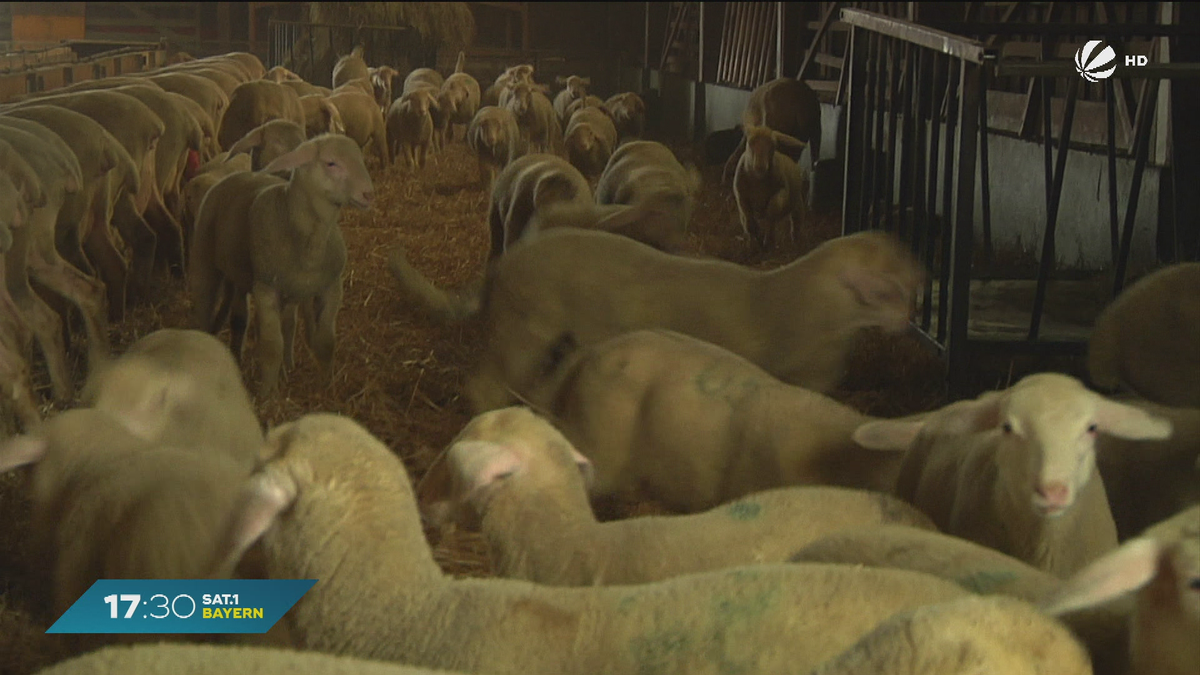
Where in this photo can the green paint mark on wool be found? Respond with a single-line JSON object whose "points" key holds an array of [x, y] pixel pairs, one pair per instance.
{"points": [[744, 510], [986, 581]]}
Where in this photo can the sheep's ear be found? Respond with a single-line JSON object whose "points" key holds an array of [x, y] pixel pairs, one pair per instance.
{"points": [[1130, 422], [246, 143], [561, 80], [19, 451], [1126, 569], [887, 434], [551, 189], [480, 464], [585, 81], [585, 469], [788, 143], [971, 417], [435, 492], [302, 155], [264, 498], [872, 288]]}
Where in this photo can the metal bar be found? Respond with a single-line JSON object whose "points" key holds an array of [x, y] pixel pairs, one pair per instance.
{"points": [[821, 32], [672, 32], [767, 52], [856, 86], [985, 187], [1150, 97], [737, 77], [874, 130], [726, 42], [1048, 259], [933, 68], [893, 93], [753, 46], [1153, 71], [931, 38], [779, 25], [1062, 29], [908, 148], [963, 226], [646, 52], [953, 66], [700, 47], [1111, 124]]}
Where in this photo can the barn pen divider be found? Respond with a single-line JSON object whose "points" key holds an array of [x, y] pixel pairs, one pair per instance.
{"points": [[311, 49], [917, 95]]}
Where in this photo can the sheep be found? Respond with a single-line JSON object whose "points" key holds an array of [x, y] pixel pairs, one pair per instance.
{"points": [[652, 222], [20, 190], [460, 92], [303, 88], [207, 176], [1016, 469], [363, 122], [255, 103], [350, 67], [110, 505], [85, 218], [381, 85], [535, 118], [427, 77], [1146, 339], [506, 80], [410, 126], [268, 142], [574, 89], [769, 187], [496, 141], [581, 286], [1163, 567], [786, 105], [180, 388], [279, 240], [208, 131], [280, 74], [525, 186], [628, 112], [253, 66], [206, 93], [321, 116], [588, 101], [967, 636], [198, 659], [510, 469], [695, 426], [383, 596], [1147, 481], [643, 171], [589, 140]]}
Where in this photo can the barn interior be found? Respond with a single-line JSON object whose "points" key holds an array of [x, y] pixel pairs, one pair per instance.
{"points": [[1031, 195]]}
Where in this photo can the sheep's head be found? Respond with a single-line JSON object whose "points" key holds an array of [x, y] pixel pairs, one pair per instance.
{"points": [[334, 165], [761, 144], [879, 276], [491, 448], [520, 100], [1045, 427], [576, 86]]}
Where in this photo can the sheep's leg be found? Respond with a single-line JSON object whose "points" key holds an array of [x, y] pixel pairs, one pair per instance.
{"points": [[732, 162], [325, 310], [288, 324], [14, 369], [169, 234], [237, 308], [381, 147], [41, 319], [83, 291], [268, 307], [102, 253], [137, 234], [73, 223]]}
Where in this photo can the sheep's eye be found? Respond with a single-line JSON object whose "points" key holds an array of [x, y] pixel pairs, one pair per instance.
{"points": [[331, 164], [1091, 428], [1007, 427], [1194, 584]]}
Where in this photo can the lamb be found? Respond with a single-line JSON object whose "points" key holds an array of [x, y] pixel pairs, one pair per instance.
{"points": [[195, 659], [1016, 469], [644, 171], [251, 63], [328, 480], [506, 80], [268, 142], [180, 388], [279, 240], [769, 187], [427, 77], [588, 101], [364, 122], [628, 112], [279, 74], [525, 186], [496, 141], [1147, 481], [218, 76], [509, 469], [255, 103], [590, 139], [19, 190], [410, 126], [535, 118], [321, 116], [695, 426], [303, 88], [208, 130], [797, 322], [786, 105], [381, 85], [574, 89], [350, 67], [110, 505], [1146, 339], [206, 93], [429, 80], [1163, 567], [460, 92], [965, 637], [652, 222], [207, 176]]}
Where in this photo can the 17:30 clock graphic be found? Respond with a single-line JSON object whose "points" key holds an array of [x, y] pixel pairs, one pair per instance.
{"points": [[182, 606]]}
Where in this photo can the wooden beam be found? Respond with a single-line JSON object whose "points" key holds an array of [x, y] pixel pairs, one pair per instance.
{"points": [[224, 29], [135, 9], [822, 28]]}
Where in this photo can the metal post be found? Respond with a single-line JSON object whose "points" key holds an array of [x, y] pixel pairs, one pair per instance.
{"points": [[963, 226], [855, 120], [779, 9]]}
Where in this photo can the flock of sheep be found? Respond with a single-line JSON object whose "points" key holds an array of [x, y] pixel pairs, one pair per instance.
{"points": [[1044, 528]]}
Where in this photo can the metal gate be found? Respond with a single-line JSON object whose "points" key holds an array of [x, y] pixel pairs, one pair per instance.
{"points": [[311, 49]]}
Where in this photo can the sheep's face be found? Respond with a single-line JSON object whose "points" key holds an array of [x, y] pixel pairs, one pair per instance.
{"points": [[577, 86], [760, 152], [520, 100], [1048, 425], [881, 276], [340, 172]]}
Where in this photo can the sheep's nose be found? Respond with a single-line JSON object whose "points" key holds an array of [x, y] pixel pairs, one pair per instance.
{"points": [[367, 196], [1055, 493]]}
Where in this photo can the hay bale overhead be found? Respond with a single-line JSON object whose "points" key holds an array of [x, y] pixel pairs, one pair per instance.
{"points": [[448, 25]]}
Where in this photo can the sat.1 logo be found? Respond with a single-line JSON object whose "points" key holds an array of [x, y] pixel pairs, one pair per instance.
{"points": [[1095, 65]]}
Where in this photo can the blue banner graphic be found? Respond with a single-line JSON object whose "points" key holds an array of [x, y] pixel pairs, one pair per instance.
{"points": [[182, 606]]}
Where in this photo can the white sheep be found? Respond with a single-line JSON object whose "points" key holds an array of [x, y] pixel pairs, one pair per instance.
{"points": [[769, 187], [1147, 338], [520, 478], [969, 636], [694, 425], [1016, 469], [193, 659], [340, 509]]}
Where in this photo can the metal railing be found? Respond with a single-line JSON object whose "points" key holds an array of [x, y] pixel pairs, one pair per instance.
{"points": [[311, 50], [917, 107]]}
